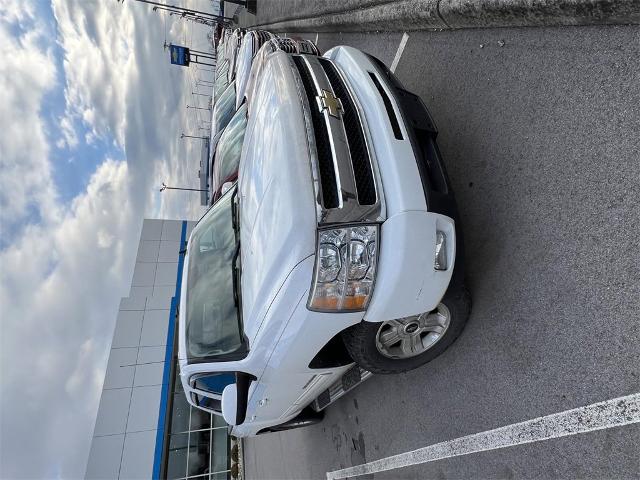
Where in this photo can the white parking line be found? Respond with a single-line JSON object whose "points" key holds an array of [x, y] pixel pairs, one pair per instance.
{"points": [[316, 42], [396, 59], [598, 416]]}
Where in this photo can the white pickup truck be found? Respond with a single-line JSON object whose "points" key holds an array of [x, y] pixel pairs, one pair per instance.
{"points": [[337, 254]]}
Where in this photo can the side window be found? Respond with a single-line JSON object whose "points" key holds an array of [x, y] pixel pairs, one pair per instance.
{"points": [[209, 403], [214, 383]]}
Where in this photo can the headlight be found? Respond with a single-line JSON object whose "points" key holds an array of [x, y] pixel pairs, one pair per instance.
{"points": [[345, 268]]}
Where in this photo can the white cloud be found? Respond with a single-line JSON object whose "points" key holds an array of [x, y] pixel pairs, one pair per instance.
{"points": [[119, 82], [105, 239], [26, 75], [58, 291], [69, 135], [99, 62], [63, 267], [17, 11]]}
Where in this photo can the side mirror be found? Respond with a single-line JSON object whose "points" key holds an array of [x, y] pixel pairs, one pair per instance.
{"points": [[226, 186], [230, 404], [235, 398]]}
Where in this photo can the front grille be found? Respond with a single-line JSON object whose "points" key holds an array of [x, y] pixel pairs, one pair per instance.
{"points": [[261, 37], [308, 47], [362, 170], [284, 44], [326, 168]]}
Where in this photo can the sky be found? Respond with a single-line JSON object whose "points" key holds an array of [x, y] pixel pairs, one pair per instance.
{"points": [[91, 113]]}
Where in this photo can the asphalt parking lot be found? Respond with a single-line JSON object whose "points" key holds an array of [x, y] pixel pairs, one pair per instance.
{"points": [[540, 129]]}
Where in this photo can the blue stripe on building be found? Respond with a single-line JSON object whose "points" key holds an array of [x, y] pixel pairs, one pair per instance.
{"points": [[164, 395]]}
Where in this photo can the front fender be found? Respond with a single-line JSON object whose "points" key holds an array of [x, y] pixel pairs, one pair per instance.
{"points": [[407, 282]]}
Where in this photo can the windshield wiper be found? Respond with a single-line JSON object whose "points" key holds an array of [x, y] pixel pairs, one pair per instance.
{"points": [[234, 214], [236, 271], [234, 263], [235, 274], [237, 295]]}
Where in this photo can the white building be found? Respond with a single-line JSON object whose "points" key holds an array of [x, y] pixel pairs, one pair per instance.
{"points": [[145, 427]]}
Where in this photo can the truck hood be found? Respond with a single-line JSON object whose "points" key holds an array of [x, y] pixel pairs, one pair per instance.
{"points": [[277, 206]]}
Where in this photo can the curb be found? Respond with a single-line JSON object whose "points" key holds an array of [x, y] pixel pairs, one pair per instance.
{"points": [[406, 15]]}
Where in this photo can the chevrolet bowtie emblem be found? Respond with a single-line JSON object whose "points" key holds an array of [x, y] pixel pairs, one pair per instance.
{"points": [[328, 101]]}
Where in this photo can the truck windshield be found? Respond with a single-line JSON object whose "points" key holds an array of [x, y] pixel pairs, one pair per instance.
{"points": [[213, 326]]}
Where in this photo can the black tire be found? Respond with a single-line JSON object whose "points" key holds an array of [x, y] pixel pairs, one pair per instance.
{"points": [[360, 339]]}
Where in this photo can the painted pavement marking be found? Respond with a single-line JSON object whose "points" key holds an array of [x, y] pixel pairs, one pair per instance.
{"points": [[598, 416], [396, 59]]}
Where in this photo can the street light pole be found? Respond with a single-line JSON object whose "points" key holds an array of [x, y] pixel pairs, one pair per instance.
{"points": [[188, 11], [193, 136], [198, 108], [165, 187], [202, 52], [198, 16], [188, 16]]}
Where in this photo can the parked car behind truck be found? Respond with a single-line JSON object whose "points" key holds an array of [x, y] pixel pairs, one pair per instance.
{"points": [[223, 168], [340, 245]]}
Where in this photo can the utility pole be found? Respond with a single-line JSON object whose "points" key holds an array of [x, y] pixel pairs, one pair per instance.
{"points": [[165, 187]]}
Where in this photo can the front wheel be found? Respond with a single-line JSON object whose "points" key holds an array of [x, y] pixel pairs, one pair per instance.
{"points": [[400, 345]]}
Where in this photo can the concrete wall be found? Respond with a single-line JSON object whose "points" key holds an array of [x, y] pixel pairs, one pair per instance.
{"points": [[400, 15], [124, 438]]}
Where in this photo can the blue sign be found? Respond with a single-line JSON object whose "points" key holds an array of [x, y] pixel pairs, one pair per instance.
{"points": [[179, 55]]}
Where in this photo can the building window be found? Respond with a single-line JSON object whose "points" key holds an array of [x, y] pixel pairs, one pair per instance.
{"points": [[197, 443]]}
